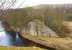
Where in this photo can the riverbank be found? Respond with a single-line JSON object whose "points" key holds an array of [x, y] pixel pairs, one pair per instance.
{"points": [[20, 48], [57, 43]]}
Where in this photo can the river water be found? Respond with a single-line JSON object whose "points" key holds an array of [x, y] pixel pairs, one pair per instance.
{"points": [[7, 39]]}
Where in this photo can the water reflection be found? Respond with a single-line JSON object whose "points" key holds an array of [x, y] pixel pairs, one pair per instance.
{"points": [[8, 38], [19, 41], [5, 39]]}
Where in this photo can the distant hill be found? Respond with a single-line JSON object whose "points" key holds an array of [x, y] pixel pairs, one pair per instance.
{"points": [[51, 15]]}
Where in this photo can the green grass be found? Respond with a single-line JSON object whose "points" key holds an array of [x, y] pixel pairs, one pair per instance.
{"points": [[20, 48]]}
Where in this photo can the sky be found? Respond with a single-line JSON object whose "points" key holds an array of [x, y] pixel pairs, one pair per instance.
{"points": [[26, 3]]}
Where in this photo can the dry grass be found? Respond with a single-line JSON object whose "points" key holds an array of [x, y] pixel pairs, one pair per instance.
{"points": [[53, 42], [58, 43]]}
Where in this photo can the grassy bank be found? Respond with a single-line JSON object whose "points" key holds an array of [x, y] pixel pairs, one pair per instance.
{"points": [[20, 48]]}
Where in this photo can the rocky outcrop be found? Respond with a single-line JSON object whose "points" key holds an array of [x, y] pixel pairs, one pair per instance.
{"points": [[38, 28]]}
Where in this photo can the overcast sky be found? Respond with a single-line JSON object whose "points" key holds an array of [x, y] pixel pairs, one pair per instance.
{"points": [[26, 3]]}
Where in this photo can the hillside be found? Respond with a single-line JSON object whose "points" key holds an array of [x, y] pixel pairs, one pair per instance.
{"points": [[51, 15]]}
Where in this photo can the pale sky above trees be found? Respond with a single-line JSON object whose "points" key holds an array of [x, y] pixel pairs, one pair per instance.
{"points": [[26, 3]]}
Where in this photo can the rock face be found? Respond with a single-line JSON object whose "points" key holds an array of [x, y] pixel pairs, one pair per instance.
{"points": [[38, 28], [48, 32]]}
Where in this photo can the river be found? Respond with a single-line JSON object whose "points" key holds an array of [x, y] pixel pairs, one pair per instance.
{"points": [[7, 39]]}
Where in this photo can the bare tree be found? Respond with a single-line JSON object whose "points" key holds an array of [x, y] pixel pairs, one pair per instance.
{"points": [[4, 5]]}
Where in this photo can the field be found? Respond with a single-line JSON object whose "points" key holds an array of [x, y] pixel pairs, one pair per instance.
{"points": [[57, 43]]}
